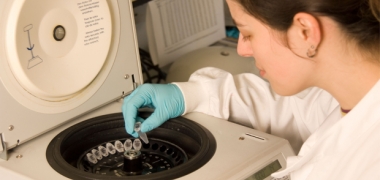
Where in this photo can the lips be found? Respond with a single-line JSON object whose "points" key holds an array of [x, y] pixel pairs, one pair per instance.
{"points": [[262, 73]]}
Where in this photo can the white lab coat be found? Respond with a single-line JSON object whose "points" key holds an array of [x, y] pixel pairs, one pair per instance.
{"points": [[332, 147]]}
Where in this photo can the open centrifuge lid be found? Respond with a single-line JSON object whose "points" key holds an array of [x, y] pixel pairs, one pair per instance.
{"points": [[61, 59]]}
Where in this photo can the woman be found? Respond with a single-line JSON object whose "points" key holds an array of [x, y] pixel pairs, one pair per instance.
{"points": [[322, 61]]}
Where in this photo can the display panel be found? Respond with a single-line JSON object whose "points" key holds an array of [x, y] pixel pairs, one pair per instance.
{"points": [[267, 170]]}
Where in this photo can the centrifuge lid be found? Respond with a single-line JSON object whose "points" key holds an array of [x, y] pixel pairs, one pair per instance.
{"points": [[61, 59]]}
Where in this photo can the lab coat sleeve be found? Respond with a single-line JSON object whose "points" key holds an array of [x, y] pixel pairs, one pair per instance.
{"points": [[248, 100], [245, 99]]}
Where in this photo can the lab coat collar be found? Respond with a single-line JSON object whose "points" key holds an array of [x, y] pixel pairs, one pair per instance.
{"points": [[346, 129]]}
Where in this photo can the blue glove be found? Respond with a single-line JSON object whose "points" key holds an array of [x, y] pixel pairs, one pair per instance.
{"points": [[166, 100]]}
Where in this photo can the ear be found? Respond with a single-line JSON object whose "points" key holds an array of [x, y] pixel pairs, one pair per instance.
{"points": [[304, 35]]}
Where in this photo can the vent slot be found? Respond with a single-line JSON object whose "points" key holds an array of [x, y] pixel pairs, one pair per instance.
{"points": [[255, 136]]}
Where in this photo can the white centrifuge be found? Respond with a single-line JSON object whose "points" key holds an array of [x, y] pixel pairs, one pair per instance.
{"points": [[65, 67]]}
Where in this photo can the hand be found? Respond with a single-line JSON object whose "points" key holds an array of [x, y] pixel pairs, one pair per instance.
{"points": [[166, 99]]}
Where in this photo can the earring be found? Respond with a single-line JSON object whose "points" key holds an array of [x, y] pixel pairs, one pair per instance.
{"points": [[311, 53]]}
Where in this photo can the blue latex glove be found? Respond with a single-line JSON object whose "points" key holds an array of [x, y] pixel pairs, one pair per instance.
{"points": [[166, 100]]}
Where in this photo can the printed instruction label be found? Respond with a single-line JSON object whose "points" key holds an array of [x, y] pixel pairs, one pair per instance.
{"points": [[92, 21]]}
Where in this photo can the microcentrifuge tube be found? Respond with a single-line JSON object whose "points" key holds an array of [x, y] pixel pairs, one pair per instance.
{"points": [[110, 148], [97, 154], [91, 158], [128, 144], [137, 144], [119, 146], [103, 150], [141, 134]]}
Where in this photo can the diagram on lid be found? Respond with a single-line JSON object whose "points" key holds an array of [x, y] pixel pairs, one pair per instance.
{"points": [[58, 52], [35, 59]]}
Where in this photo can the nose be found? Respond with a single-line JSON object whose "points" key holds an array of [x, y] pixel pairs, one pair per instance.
{"points": [[244, 47]]}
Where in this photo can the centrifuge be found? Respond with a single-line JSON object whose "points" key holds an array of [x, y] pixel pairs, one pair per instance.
{"points": [[65, 68]]}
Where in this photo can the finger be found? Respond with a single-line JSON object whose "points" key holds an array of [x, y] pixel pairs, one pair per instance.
{"points": [[130, 107], [129, 113], [140, 119], [137, 99], [153, 121], [134, 133]]}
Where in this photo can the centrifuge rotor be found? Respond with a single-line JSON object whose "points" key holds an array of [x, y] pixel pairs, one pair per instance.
{"points": [[89, 150]]}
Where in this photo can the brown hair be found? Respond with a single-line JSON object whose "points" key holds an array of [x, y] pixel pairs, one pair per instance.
{"points": [[359, 19]]}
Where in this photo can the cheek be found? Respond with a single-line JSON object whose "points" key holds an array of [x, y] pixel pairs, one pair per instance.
{"points": [[271, 54], [278, 61], [281, 68], [286, 72], [264, 45]]}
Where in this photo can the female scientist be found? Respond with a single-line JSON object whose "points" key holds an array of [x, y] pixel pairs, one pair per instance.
{"points": [[322, 61]]}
